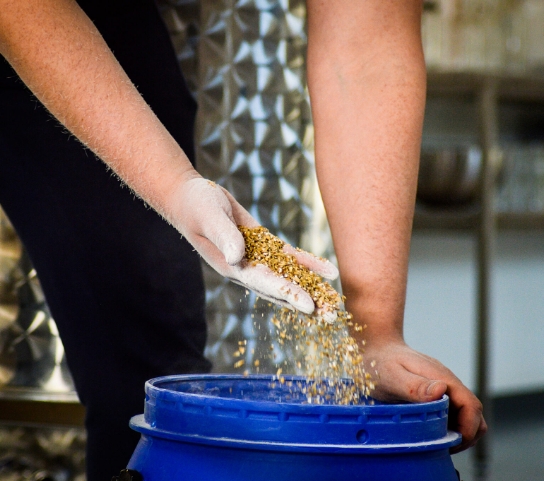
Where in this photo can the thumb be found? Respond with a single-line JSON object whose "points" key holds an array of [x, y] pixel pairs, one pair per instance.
{"points": [[215, 217], [427, 390], [228, 239], [409, 387]]}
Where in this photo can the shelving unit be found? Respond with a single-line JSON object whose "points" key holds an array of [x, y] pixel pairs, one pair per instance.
{"points": [[487, 91], [466, 220], [36, 404], [35, 407], [507, 86]]}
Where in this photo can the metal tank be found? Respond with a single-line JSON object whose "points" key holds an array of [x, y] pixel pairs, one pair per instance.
{"points": [[254, 137], [245, 62]]}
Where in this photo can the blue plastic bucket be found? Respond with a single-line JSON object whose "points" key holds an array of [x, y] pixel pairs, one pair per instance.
{"points": [[236, 428]]}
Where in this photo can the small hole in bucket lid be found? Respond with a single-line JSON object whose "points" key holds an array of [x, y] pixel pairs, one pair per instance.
{"points": [[362, 436]]}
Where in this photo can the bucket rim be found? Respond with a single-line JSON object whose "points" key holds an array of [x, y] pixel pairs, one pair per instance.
{"points": [[452, 438], [244, 412], [153, 389]]}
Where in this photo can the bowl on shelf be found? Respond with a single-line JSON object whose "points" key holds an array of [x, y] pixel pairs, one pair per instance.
{"points": [[449, 176]]}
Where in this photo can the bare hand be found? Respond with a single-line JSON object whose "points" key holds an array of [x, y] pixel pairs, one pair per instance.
{"points": [[405, 374]]}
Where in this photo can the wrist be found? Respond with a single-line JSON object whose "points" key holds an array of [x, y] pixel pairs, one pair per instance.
{"points": [[376, 321], [173, 195]]}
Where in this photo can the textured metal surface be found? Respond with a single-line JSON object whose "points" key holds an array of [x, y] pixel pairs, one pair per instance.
{"points": [[40, 454], [254, 136], [244, 61], [182, 18], [31, 352]]}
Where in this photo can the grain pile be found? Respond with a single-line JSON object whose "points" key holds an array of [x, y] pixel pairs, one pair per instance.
{"points": [[326, 353], [264, 248]]}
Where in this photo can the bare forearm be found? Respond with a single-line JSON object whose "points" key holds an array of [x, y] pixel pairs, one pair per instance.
{"points": [[60, 55], [367, 83]]}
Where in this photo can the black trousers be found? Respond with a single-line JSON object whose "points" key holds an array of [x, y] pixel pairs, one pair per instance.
{"points": [[124, 289]]}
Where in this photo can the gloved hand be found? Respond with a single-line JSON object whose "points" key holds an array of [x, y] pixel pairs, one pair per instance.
{"points": [[408, 375], [208, 216]]}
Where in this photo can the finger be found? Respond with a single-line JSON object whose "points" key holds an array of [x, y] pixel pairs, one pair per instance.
{"points": [[231, 244], [469, 442], [222, 229], [259, 279], [320, 266], [211, 254], [403, 385], [467, 418], [482, 429], [465, 412], [262, 280], [260, 295], [227, 238], [327, 315]]}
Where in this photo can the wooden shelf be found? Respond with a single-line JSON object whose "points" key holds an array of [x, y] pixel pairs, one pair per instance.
{"points": [[35, 394], [466, 219], [446, 218], [509, 86], [520, 220], [487, 91], [33, 407]]}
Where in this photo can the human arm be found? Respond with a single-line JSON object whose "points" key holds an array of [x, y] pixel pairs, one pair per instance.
{"points": [[62, 58], [366, 76]]}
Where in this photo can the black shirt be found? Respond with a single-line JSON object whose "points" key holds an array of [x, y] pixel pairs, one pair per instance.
{"points": [[138, 37]]}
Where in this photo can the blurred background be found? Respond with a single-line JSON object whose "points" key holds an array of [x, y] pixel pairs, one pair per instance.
{"points": [[475, 284]]}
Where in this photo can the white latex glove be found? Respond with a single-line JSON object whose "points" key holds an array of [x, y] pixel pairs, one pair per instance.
{"points": [[208, 216]]}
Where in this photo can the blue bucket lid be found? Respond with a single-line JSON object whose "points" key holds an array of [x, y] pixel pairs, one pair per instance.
{"points": [[259, 412]]}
